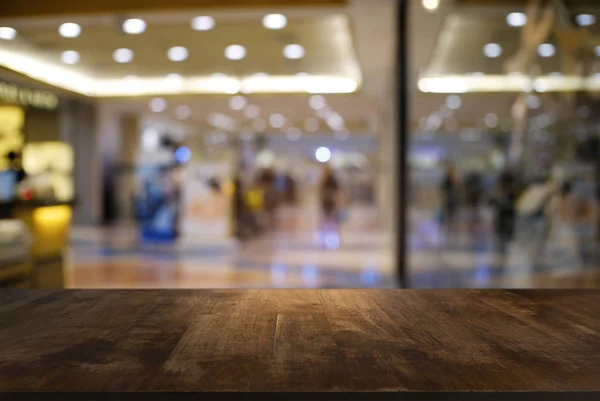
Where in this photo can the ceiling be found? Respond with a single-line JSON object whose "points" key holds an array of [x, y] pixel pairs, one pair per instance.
{"points": [[324, 33]]}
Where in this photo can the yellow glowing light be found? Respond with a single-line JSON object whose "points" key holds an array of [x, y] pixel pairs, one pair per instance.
{"points": [[51, 215]]}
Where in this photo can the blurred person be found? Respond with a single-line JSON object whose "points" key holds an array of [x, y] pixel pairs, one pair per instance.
{"points": [[563, 244], [533, 218], [473, 189], [503, 200], [330, 201], [450, 193]]}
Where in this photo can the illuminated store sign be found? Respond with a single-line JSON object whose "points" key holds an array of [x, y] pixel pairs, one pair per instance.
{"points": [[14, 94]]}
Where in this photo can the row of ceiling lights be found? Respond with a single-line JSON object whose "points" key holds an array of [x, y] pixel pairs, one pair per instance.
{"points": [[276, 120], [136, 26], [520, 19], [180, 53]]}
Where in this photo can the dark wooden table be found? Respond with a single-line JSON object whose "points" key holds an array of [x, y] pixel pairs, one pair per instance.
{"points": [[352, 344]]}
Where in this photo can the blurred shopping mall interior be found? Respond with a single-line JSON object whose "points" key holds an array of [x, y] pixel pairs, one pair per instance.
{"points": [[280, 144]]}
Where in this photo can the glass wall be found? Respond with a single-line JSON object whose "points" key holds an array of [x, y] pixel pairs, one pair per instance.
{"points": [[504, 146]]}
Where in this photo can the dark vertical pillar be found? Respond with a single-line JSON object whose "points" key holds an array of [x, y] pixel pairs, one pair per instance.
{"points": [[401, 151]]}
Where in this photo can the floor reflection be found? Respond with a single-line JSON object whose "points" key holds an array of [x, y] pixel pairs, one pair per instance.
{"points": [[295, 256], [298, 256]]}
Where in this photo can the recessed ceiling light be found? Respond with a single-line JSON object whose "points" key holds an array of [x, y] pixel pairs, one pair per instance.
{"points": [[177, 53], [235, 52], [69, 30], [323, 154], [492, 50], [183, 112], [237, 103], [123, 55], [431, 5], [293, 134], [251, 111], [311, 124], [335, 121], [203, 23], [533, 102], [324, 112], [293, 51], [585, 19], [516, 19], [7, 33], [491, 120], [158, 105], [316, 102], [546, 50], [454, 102], [134, 26], [277, 120], [70, 57], [274, 21]]}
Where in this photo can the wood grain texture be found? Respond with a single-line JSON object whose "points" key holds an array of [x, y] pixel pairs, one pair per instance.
{"points": [[300, 340]]}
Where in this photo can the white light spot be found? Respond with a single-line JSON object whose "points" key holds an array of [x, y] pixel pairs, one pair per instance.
{"points": [[134, 26], [150, 139], [316, 102], [276, 120], [323, 154], [70, 57], [492, 50], [183, 112], [585, 19], [454, 102], [274, 21], [178, 53], [251, 111], [491, 120], [534, 102], [203, 23], [597, 51], [516, 19], [546, 50], [123, 55], [294, 51], [335, 121], [69, 30], [7, 33], [235, 52], [157, 105], [237, 103]]}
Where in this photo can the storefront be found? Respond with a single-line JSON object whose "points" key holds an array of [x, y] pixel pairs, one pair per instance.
{"points": [[36, 187]]}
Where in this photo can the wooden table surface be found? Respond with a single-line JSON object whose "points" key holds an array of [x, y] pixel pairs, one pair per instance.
{"points": [[449, 344]]}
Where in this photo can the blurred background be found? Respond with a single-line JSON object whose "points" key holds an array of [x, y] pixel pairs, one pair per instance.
{"points": [[260, 144]]}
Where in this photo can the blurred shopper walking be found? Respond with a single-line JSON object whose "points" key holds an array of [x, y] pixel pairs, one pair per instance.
{"points": [[450, 194], [330, 201]]}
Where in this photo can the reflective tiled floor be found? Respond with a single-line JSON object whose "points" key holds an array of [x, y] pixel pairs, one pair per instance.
{"points": [[296, 256]]}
